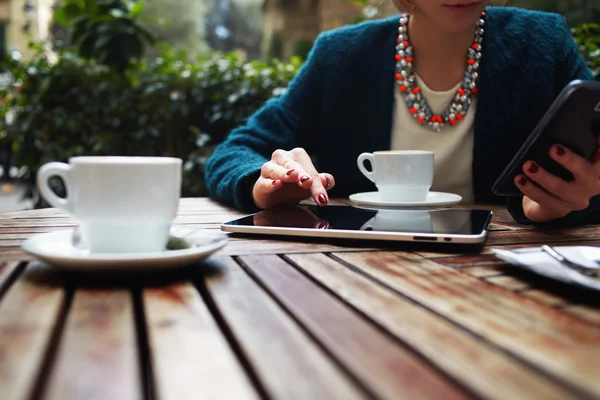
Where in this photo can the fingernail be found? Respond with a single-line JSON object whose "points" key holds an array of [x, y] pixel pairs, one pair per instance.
{"points": [[274, 182], [290, 172], [322, 225], [328, 183], [560, 151], [522, 181], [533, 168], [304, 179], [322, 199]]}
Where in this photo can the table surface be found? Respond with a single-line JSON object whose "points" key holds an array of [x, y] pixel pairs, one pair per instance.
{"points": [[297, 319]]}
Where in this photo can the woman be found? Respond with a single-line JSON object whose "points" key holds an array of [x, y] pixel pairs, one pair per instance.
{"points": [[353, 95]]}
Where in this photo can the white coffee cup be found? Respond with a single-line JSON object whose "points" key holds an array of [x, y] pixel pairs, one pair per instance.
{"points": [[400, 175], [123, 204]]}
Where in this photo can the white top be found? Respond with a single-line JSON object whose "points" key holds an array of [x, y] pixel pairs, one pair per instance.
{"points": [[453, 145]]}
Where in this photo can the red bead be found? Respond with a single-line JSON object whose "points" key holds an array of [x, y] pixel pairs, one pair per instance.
{"points": [[452, 122], [434, 119], [406, 43], [403, 88], [399, 77], [421, 120], [416, 90], [475, 45], [439, 119], [461, 92], [471, 61], [413, 110], [475, 90], [409, 59], [459, 116], [397, 56], [398, 41]]}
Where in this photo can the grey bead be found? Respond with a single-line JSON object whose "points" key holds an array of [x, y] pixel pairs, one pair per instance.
{"points": [[472, 85], [401, 38], [409, 49], [470, 68], [401, 53], [421, 114], [481, 22], [459, 107], [401, 29], [403, 21], [475, 75], [476, 65], [412, 96], [480, 31], [478, 56], [452, 116], [457, 98], [463, 99], [409, 65], [403, 63]]}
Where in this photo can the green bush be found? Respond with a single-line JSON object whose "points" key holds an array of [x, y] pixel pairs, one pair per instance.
{"points": [[587, 37], [170, 106]]}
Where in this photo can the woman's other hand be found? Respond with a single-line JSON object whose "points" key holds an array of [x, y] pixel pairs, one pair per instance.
{"points": [[288, 177], [559, 197]]}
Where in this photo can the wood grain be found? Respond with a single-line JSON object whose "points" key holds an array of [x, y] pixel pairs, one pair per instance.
{"points": [[553, 341], [482, 368], [387, 369], [544, 297], [288, 363], [98, 354], [7, 271], [588, 313], [190, 356], [28, 314]]}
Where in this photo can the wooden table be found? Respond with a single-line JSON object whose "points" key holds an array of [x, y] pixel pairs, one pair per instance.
{"points": [[297, 320]]}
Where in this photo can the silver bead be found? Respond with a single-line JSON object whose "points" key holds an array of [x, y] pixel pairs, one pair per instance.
{"points": [[478, 56], [411, 79], [416, 106], [405, 83], [471, 51], [421, 114], [401, 53], [457, 98], [409, 49], [401, 46], [476, 66], [481, 22], [478, 39], [436, 125], [401, 38], [412, 96], [403, 21], [452, 116], [478, 47], [470, 68], [409, 65], [459, 108], [480, 31], [472, 85], [463, 99], [475, 75], [403, 63], [401, 29]]}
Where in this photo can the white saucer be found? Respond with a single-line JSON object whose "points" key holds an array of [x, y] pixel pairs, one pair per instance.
{"points": [[186, 246], [433, 199]]}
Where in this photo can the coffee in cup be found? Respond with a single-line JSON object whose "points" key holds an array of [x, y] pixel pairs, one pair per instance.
{"points": [[400, 175], [123, 204]]}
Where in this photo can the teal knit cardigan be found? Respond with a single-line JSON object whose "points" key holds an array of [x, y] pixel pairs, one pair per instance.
{"points": [[341, 104]]}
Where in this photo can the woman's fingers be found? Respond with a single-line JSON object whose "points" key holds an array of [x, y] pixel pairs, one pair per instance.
{"points": [[317, 189], [542, 206]]}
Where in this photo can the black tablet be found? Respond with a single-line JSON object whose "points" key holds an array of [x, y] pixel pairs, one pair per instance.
{"points": [[348, 222], [573, 121]]}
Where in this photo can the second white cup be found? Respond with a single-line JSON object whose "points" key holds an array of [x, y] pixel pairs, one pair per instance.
{"points": [[400, 175]]}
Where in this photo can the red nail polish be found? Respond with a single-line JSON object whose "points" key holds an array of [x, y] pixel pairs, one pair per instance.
{"points": [[322, 199], [274, 182], [522, 181], [328, 183], [560, 151], [290, 172], [304, 179], [533, 168]]}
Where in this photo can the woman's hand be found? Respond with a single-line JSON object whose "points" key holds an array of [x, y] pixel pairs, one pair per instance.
{"points": [[560, 197], [290, 176]]}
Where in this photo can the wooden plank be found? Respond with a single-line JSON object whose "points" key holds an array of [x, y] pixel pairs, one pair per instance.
{"points": [[287, 362], [544, 236], [544, 297], [7, 271], [14, 254], [379, 362], [585, 312], [552, 340], [508, 282], [28, 315], [483, 272], [191, 358], [468, 260], [261, 246], [486, 371], [99, 340]]}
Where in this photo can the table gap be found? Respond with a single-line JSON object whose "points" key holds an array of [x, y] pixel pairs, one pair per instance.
{"points": [[526, 363], [147, 373], [45, 370], [200, 285], [12, 278]]}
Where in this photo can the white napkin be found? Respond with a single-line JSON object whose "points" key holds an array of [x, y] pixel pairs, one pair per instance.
{"points": [[535, 260]]}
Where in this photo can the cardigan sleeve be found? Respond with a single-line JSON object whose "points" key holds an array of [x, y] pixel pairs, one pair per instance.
{"points": [[570, 67], [281, 123]]}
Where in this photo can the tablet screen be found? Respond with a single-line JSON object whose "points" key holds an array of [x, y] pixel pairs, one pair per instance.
{"points": [[436, 222]]}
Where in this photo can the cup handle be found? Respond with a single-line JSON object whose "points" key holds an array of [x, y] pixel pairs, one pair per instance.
{"points": [[44, 174], [361, 165]]}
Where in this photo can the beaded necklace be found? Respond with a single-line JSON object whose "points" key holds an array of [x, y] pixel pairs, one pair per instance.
{"points": [[407, 81]]}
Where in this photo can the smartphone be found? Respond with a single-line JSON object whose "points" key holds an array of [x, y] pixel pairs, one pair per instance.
{"points": [[572, 121]]}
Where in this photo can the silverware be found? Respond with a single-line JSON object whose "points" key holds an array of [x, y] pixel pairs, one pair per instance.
{"points": [[591, 272]]}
